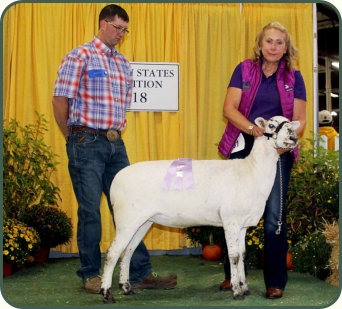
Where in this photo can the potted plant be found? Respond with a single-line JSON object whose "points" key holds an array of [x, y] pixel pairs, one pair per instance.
{"points": [[29, 194], [313, 193], [28, 164], [52, 224], [255, 244], [210, 238], [311, 254], [19, 242], [200, 235]]}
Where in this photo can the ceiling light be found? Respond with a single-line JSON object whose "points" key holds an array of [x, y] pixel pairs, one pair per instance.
{"points": [[335, 64]]}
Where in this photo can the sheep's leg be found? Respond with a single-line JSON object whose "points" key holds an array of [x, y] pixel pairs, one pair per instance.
{"points": [[121, 241], [232, 233], [126, 258], [241, 266]]}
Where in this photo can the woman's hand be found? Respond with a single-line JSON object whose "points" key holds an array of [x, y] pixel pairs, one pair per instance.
{"points": [[282, 150], [257, 131]]}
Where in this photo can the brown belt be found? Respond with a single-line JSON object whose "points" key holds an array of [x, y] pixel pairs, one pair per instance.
{"points": [[112, 135]]}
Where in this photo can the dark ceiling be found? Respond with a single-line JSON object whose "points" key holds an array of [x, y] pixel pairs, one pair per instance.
{"points": [[328, 30], [328, 48]]}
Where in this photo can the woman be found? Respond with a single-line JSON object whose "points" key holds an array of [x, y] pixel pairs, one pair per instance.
{"points": [[266, 86]]}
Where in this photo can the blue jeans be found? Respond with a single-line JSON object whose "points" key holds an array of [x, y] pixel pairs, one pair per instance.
{"points": [[275, 246], [93, 163]]}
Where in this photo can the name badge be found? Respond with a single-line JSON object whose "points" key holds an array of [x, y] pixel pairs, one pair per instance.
{"points": [[288, 88], [97, 73], [246, 86], [239, 144]]}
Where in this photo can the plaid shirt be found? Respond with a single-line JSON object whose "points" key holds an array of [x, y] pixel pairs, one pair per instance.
{"points": [[97, 81]]}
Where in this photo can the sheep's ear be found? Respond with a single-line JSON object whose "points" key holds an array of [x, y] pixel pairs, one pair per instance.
{"points": [[295, 124], [261, 122]]}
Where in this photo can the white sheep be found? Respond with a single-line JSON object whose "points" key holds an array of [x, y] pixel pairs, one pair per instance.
{"points": [[228, 193]]}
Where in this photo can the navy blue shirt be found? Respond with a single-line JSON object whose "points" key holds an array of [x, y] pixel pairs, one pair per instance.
{"points": [[267, 101]]}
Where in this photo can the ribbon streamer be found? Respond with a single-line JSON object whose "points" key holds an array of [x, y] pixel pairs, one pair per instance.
{"points": [[179, 172]]}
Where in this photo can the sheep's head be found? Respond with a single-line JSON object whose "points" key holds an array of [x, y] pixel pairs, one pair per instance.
{"points": [[280, 131]]}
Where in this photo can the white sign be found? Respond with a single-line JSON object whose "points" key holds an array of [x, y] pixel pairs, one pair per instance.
{"points": [[155, 86]]}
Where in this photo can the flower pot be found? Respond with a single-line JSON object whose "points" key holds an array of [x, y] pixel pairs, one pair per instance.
{"points": [[43, 255], [212, 252], [7, 269]]}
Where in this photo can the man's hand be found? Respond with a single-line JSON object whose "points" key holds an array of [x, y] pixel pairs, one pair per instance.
{"points": [[61, 112]]}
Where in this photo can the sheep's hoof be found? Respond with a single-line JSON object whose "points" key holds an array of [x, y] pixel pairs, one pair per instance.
{"points": [[107, 296], [239, 297], [129, 292], [127, 288]]}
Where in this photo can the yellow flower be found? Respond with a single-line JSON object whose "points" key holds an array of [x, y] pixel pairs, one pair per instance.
{"points": [[329, 201], [249, 243], [6, 252], [261, 246], [30, 246]]}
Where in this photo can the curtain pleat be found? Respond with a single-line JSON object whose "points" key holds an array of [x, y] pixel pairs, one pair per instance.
{"points": [[207, 40]]}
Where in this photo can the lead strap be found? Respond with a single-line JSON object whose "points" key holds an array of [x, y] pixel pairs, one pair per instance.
{"points": [[281, 199]]}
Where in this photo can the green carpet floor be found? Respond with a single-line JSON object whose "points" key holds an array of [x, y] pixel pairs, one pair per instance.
{"points": [[55, 284]]}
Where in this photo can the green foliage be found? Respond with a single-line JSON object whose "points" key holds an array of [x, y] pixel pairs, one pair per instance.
{"points": [[29, 193], [255, 243], [313, 193], [19, 241], [53, 225], [311, 254], [255, 236], [200, 235], [28, 164]]}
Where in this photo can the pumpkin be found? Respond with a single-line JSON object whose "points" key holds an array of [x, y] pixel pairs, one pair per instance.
{"points": [[289, 264], [212, 252]]}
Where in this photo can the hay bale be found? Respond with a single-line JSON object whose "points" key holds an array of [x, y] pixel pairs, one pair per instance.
{"points": [[331, 233]]}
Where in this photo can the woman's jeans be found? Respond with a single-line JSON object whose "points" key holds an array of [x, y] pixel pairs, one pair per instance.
{"points": [[93, 163], [275, 245]]}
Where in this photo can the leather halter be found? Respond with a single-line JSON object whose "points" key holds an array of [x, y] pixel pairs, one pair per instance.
{"points": [[268, 135]]}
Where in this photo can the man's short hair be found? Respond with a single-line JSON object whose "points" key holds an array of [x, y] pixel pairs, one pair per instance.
{"points": [[110, 11]]}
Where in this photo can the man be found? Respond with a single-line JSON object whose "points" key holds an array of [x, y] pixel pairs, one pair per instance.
{"points": [[91, 94], [326, 128]]}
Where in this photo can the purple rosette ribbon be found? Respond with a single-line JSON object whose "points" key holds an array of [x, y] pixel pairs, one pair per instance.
{"points": [[179, 173]]}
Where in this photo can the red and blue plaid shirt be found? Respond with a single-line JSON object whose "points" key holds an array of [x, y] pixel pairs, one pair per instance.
{"points": [[97, 81]]}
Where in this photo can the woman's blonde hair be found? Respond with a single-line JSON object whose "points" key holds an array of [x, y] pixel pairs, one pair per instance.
{"points": [[291, 53]]}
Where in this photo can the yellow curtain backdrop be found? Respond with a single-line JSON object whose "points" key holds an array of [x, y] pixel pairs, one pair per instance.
{"points": [[207, 40]]}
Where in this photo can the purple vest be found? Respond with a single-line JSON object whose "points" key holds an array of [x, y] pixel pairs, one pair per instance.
{"points": [[251, 79]]}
